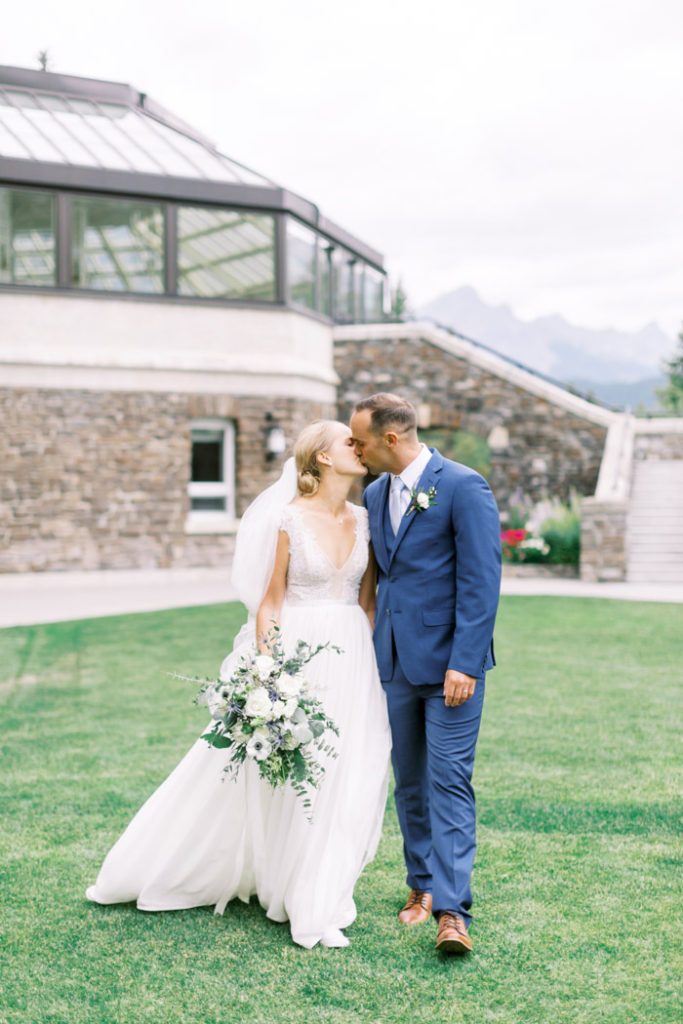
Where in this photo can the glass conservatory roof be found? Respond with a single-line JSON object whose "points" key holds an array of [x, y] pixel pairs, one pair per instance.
{"points": [[84, 134], [50, 118]]}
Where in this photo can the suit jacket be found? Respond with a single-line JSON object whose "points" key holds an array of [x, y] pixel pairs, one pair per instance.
{"points": [[439, 578]]}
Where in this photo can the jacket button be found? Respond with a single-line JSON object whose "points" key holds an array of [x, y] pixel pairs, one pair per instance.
{"points": [[388, 611]]}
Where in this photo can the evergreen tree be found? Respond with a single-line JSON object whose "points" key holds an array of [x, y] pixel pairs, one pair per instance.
{"points": [[399, 304], [671, 396]]}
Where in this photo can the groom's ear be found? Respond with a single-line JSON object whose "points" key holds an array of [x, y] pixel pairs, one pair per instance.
{"points": [[390, 438]]}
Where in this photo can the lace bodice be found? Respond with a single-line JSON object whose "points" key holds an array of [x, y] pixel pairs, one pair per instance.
{"points": [[312, 577]]}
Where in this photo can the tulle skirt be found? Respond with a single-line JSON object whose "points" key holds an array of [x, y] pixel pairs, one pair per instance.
{"points": [[202, 839]]}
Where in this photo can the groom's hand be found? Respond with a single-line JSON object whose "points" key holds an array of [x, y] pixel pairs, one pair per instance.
{"points": [[457, 687]]}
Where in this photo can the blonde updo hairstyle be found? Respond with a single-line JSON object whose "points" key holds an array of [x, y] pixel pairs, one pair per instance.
{"points": [[315, 438]]}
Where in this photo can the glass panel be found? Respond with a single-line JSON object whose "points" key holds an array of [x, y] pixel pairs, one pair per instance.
{"points": [[27, 237], [301, 263], [358, 292], [85, 129], [117, 135], [226, 254], [324, 261], [9, 143], [207, 504], [56, 127], [117, 245], [154, 147], [21, 124], [207, 456], [374, 295], [342, 281], [21, 99], [204, 163]]}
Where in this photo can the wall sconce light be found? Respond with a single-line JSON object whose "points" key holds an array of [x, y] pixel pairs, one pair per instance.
{"points": [[275, 440]]}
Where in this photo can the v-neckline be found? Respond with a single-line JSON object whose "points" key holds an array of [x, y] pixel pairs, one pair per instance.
{"points": [[321, 549]]}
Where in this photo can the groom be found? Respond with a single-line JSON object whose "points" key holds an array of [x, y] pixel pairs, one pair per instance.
{"points": [[436, 537]]}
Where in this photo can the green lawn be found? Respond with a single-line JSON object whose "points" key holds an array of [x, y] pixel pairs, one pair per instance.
{"points": [[576, 875]]}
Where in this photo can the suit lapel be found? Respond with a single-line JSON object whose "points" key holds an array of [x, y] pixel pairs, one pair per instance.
{"points": [[377, 524], [428, 479]]}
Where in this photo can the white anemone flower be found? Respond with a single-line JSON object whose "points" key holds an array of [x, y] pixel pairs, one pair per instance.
{"points": [[259, 746]]}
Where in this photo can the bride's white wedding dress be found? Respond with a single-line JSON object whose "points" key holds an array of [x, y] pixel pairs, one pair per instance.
{"points": [[202, 839]]}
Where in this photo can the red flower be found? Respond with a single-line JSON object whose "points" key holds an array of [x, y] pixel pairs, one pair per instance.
{"points": [[512, 537]]}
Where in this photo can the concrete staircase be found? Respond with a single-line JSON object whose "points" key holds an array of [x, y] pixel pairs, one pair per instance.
{"points": [[654, 533]]}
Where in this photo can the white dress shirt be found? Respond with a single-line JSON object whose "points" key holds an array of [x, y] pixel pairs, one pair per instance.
{"points": [[402, 484]]}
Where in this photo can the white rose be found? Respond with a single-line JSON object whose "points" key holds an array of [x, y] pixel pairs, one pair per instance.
{"points": [[290, 742], [258, 703], [290, 707], [422, 500], [289, 686], [259, 746], [264, 664], [277, 709]]}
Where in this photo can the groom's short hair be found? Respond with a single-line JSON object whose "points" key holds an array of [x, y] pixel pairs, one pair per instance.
{"points": [[387, 412]]}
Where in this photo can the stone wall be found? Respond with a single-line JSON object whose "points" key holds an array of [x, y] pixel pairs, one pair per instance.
{"points": [[539, 446], [603, 540], [652, 445], [98, 479]]}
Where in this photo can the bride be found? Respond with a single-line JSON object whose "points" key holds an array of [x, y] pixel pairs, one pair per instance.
{"points": [[302, 561]]}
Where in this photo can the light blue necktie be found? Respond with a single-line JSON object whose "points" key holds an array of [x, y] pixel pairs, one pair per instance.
{"points": [[397, 502]]}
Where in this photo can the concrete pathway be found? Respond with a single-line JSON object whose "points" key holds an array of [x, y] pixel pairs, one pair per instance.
{"points": [[30, 598]]}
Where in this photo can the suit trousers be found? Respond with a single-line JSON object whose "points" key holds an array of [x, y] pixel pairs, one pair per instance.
{"points": [[433, 758]]}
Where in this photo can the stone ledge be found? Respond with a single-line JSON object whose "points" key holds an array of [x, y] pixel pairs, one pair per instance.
{"points": [[539, 570]]}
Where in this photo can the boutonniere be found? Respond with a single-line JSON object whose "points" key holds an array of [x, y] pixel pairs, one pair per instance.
{"points": [[421, 500]]}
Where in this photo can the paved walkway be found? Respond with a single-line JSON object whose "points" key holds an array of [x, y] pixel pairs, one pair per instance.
{"points": [[30, 598]]}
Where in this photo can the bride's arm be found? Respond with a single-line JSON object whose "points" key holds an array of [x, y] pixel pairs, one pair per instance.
{"points": [[367, 595], [268, 614]]}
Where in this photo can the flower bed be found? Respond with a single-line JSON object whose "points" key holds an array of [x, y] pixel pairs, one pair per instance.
{"points": [[546, 533]]}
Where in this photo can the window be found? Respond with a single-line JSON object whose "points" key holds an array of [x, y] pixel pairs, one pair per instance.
{"points": [[301, 263], [324, 261], [27, 237], [374, 296], [118, 245], [226, 254], [212, 473], [342, 286]]}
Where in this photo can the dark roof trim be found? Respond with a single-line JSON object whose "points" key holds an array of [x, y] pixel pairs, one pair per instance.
{"points": [[16, 172]]}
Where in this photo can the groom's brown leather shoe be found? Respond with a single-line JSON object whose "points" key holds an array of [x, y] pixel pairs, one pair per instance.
{"points": [[417, 909], [452, 936]]}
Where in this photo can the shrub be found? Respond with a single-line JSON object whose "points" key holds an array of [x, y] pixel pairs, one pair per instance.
{"points": [[549, 531], [562, 534]]}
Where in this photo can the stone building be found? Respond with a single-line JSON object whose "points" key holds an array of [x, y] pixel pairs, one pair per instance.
{"points": [[169, 320], [166, 321]]}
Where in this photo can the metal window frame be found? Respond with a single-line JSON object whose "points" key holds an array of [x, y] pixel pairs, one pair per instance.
{"points": [[278, 203], [225, 488]]}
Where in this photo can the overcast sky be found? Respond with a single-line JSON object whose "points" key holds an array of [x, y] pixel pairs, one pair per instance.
{"points": [[530, 149]]}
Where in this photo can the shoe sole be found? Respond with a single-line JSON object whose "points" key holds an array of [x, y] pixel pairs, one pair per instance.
{"points": [[453, 946], [420, 920]]}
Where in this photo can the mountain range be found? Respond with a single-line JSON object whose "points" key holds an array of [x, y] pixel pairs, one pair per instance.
{"points": [[617, 367]]}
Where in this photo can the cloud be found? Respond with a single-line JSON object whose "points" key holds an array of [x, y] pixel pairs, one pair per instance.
{"points": [[529, 149]]}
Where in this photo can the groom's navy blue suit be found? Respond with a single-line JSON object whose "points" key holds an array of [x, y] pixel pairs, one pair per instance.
{"points": [[437, 596]]}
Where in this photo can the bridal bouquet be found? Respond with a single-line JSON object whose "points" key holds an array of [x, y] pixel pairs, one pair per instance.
{"points": [[266, 713]]}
